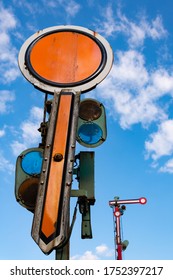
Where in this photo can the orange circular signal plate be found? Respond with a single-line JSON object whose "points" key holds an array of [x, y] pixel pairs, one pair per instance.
{"points": [[64, 57]]}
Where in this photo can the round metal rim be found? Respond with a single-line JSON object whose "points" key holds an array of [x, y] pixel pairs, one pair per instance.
{"points": [[82, 86]]}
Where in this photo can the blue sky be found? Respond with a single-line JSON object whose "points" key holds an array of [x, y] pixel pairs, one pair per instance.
{"points": [[136, 159]]}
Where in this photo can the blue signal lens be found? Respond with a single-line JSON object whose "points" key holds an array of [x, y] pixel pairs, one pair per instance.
{"points": [[90, 133], [32, 163]]}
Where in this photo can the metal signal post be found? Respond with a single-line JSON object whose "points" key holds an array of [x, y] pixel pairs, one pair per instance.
{"points": [[119, 208]]}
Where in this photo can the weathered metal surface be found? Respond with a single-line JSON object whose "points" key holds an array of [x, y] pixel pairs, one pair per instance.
{"points": [[62, 57], [50, 226]]}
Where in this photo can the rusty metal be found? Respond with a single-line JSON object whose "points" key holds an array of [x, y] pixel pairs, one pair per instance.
{"points": [[50, 226], [58, 157]]}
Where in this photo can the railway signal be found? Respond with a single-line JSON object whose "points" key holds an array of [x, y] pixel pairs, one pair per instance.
{"points": [[64, 61], [118, 211]]}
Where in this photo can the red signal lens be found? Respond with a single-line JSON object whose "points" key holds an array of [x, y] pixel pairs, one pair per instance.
{"points": [[143, 200]]}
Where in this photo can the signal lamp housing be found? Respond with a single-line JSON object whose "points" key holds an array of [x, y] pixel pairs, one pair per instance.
{"points": [[125, 244], [28, 169], [91, 131]]}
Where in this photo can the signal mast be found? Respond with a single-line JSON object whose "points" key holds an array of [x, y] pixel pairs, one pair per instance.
{"points": [[118, 211]]}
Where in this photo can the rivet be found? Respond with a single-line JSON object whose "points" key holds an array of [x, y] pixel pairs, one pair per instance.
{"points": [[58, 157]]}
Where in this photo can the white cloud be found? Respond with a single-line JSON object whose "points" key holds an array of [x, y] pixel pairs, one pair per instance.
{"points": [[136, 110], [134, 91], [36, 114], [18, 147], [6, 97], [29, 132], [7, 19], [11, 74], [101, 252], [28, 7], [108, 26], [162, 82], [156, 30], [8, 53], [129, 68], [136, 32], [168, 167], [72, 8], [5, 164], [88, 255], [139, 31], [2, 132], [104, 250], [131, 89], [161, 142], [101, 249]]}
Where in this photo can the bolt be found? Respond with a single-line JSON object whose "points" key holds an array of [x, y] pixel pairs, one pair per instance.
{"points": [[58, 157], [22, 156]]}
